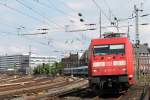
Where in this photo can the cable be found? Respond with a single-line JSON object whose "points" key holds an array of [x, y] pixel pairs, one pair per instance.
{"points": [[30, 8], [67, 6], [18, 11], [109, 8], [54, 7], [10, 33], [22, 13], [101, 10], [70, 8], [46, 5], [115, 24]]}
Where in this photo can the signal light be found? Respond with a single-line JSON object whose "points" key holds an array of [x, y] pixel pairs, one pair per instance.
{"points": [[80, 14], [81, 20]]}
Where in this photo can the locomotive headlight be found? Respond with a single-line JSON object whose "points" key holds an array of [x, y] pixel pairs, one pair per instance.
{"points": [[98, 64], [119, 63]]}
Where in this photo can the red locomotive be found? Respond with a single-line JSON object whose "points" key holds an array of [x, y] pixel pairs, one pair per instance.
{"points": [[111, 62]]}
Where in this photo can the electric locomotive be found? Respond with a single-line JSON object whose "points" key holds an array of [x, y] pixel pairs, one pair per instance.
{"points": [[111, 62]]}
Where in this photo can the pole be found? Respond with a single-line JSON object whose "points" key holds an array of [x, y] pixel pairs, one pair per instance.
{"points": [[128, 35], [18, 31], [29, 60], [100, 23], [137, 25], [137, 41]]}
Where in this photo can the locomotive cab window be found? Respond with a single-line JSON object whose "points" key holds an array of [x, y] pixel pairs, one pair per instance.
{"points": [[117, 49], [101, 50], [109, 49]]}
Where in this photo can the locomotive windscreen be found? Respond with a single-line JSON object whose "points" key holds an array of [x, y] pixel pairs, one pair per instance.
{"points": [[109, 49]]}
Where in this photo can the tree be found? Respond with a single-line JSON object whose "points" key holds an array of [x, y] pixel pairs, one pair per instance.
{"points": [[48, 69]]}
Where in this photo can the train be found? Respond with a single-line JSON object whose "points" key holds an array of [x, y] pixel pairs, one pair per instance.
{"points": [[111, 62], [81, 71], [114, 63]]}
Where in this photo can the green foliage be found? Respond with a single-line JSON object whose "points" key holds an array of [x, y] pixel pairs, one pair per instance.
{"points": [[49, 70]]}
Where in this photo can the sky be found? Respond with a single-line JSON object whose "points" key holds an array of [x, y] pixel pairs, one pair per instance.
{"points": [[19, 18]]}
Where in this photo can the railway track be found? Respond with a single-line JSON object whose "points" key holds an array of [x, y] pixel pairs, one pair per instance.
{"points": [[37, 86], [87, 94], [134, 93], [60, 89], [68, 88]]}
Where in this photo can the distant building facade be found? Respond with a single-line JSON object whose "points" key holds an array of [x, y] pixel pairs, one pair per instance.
{"points": [[75, 60], [84, 58], [23, 63], [39, 60], [18, 63], [71, 61], [142, 61]]}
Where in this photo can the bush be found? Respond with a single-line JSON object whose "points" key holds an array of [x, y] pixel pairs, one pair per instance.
{"points": [[46, 69]]}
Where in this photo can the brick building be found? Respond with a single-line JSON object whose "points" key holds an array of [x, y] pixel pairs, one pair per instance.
{"points": [[71, 61]]}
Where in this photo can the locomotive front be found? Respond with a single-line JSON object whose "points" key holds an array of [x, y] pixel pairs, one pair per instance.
{"points": [[111, 63]]}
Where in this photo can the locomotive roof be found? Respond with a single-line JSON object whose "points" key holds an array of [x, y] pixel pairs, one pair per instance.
{"points": [[109, 40]]}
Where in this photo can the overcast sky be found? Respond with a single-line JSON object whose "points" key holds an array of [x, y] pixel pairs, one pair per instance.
{"points": [[19, 17]]}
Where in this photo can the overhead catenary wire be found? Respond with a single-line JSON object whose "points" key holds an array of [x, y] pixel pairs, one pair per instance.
{"points": [[111, 12], [22, 13], [26, 36], [115, 24], [31, 39], [30, 8], [62, 2], [48, 43], [53, 6], [101, 10], [13, 34], [25, 14], [73, 10], [14, 27], [46, 5], [56, 8], [7, 33]]}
